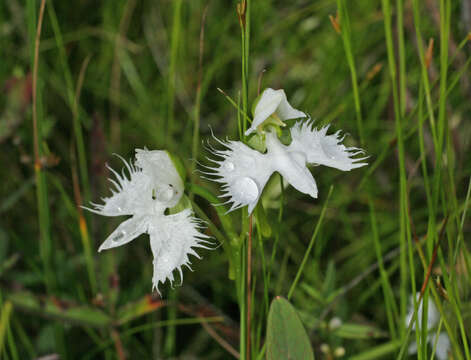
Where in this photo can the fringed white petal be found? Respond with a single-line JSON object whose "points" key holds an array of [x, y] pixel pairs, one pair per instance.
{"points": [[273, 101], [243, 173], [320, 148], [151, 182], [173, 238], [126, 232], [291, 165]]}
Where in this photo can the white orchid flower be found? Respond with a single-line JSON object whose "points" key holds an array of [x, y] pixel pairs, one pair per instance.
{"points": [[153, 185], [244, 172], [273, 103], [441, 342]]}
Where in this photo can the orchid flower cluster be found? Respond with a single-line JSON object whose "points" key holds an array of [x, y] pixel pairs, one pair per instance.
{"points": [[153, 184], [244, 171], [440, 343]]}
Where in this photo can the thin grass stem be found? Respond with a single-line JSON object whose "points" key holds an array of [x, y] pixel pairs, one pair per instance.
{"points": [[311, 244]]}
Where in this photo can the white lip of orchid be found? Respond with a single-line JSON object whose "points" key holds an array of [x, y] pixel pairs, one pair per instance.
{"points": [[151, 186], [244, 172], [433, 317], [273, 102]]}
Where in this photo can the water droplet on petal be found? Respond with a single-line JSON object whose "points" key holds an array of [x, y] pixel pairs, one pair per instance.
{"points": [[228, 166], [166, 194], [245, 190], [329, 151], [119, 236]]}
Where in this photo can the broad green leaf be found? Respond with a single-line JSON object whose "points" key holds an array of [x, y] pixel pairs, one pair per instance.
{"points": [[286, 336], [378, 352], [357, 331], [4, 322], [141, 307], [50, 306]]}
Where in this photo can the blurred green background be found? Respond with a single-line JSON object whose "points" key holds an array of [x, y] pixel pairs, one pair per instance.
{"points": [[118, 75]]}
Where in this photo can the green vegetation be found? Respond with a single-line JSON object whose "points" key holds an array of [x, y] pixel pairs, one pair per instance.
{"points": [[82, 80]]}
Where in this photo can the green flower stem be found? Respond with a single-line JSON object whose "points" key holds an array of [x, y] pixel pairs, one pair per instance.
{"points": [[311, 244]]}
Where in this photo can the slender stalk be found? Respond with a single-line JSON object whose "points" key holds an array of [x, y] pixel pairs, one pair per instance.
{"points": [[402, 169], [86, 242], [115, 82], [170, 335], [197, 108], [345, 31], [249, 289], [41, 186], [73, 104], [242, 285], [346, 37], [391, 310], [40, 176], [243, 13], [174, 46], [84, 235], [311, 244], [401, 55], [425, 79], [433, 288], [236, 106]]}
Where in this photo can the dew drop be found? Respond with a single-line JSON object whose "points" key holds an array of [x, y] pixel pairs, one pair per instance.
{"points": [[166, 194], [245, 190], [329, 151], [119, 236], [228, 166]]}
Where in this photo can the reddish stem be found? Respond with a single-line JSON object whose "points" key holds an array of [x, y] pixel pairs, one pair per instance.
{"points": [[249, 287]]}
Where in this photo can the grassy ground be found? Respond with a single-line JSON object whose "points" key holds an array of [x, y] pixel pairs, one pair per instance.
{"points": [[113, 76]]}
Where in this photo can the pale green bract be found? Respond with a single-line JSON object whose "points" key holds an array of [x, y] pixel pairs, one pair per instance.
{"points": [[152, 186]]}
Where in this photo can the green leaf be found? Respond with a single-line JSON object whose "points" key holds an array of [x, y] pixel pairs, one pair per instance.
{"points": [[139, 308], [286, 336], [379, 351], [261, 218], [358, 331], [50, 306], [4, 322]]}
